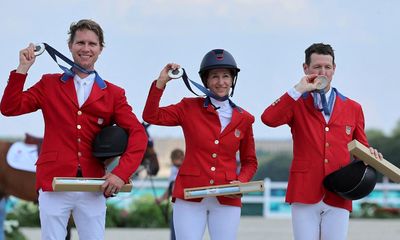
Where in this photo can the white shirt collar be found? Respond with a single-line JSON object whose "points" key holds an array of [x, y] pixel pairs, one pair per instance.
{"points": [[220, 104], [88, 80], [224, 110], [328, 93]]}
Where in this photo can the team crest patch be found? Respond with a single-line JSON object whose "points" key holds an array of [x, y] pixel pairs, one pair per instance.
{"points": [[237, 133], [100, 121], [348, 130]]}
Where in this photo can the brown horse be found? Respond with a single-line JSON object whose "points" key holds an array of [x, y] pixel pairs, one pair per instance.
{"points": [[18, 183]]}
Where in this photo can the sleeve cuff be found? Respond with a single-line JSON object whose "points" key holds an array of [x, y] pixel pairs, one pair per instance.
{"points": [[15, 75], [293, 93]]}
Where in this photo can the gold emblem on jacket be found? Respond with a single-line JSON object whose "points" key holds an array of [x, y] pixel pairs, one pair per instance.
{"points": [[237, 133]]}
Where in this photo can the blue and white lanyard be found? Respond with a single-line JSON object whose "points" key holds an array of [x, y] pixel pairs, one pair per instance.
{"points": [[68, 71], [326, 106]]}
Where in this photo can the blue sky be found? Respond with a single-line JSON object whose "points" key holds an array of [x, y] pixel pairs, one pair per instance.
{"points": [[267, 38]]}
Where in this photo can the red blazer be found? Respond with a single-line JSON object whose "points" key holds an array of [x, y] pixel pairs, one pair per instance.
{"points": [[70, 130], [210, 157], [319, 148]]}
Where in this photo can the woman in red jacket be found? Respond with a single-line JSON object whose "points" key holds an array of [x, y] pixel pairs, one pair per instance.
{"points": [[215, 129]]}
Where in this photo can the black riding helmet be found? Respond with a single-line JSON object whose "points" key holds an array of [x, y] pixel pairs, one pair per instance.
{"points": [[110, 142], [353, 181], [218, 58]]}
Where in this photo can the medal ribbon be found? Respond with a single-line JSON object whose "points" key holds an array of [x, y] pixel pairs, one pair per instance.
{"points": [[326, 106], [68, 71], [204, 90]]}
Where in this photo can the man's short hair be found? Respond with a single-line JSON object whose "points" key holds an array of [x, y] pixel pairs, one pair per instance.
{"points": [[319, 48], [86, 24]]}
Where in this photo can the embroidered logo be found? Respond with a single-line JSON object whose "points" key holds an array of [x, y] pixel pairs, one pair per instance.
{"points": [[348, 130], [237, 133], [276, 102], [100, 121]]}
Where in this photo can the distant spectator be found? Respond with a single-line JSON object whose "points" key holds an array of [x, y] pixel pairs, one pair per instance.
{"points": [[177, 156]]}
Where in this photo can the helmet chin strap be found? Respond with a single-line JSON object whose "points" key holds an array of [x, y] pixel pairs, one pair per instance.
{"points": [[204, 90], [233, 85]]}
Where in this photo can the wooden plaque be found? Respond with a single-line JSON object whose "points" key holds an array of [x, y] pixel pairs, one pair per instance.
{"points": [[383, 166], [75, 184], [226, 189]]}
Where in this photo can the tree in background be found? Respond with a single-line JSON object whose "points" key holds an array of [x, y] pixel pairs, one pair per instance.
{"points": [[274, 166], [389, 146]]}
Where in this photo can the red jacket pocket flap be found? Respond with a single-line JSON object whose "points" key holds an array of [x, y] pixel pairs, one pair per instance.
{"points": [[189, 171], [47, 157], [300, 166], [230, 176]]}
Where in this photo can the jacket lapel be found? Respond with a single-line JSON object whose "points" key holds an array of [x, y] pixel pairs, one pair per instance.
{"points": [[338, 106], [68, 87], [95, 94], [235, 121], [309, 100]]}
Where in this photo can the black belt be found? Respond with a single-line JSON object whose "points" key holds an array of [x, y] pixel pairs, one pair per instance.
{"points": [[79, 172]]}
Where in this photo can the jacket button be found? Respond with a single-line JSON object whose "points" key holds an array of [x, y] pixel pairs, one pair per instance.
{"points": [[78, 126], [326, 160], [79, 154], [216, 142], [326, 144], [214, 155], [326, 129], [79, 112], [213, 169], [211, 181]]}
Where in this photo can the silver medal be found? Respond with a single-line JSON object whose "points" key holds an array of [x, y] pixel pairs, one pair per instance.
{"points": [[39, 49], [175, 73], [322, 82]]}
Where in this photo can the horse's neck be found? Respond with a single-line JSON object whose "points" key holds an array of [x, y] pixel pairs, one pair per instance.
{"points": [[4, 146]]}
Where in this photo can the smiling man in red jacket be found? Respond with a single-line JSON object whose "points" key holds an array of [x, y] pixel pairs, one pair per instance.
{"points": [[72, 119], [322, 124]]}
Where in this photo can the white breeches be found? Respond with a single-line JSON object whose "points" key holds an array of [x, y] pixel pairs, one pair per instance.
{"points": [[191, 218], [87, 208], [319, 222]]}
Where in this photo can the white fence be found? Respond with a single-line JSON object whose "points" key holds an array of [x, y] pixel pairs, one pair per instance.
{"points": [[385, 194], [273, 199], [270, 203]]}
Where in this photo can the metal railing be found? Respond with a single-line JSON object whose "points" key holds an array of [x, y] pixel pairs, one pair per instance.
{"points": [[385, 194], [272, 200]]}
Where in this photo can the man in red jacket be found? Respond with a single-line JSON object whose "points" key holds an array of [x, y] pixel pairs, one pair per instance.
{"points": [[75, 106], [322, 124]]}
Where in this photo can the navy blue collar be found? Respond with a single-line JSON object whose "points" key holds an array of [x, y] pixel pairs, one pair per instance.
{"points": [[70, 74]]}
